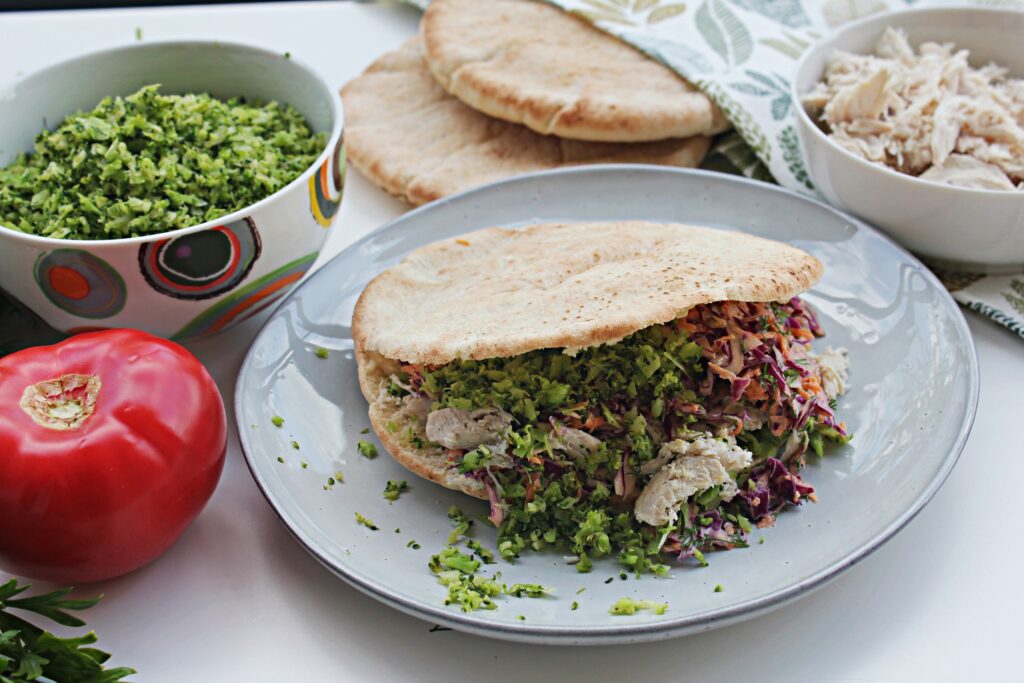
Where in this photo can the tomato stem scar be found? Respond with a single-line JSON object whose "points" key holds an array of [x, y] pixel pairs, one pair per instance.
{"points": [[61, 403]]}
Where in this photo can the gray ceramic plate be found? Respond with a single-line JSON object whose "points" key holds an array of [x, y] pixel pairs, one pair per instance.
{"points": [[912, 398]]}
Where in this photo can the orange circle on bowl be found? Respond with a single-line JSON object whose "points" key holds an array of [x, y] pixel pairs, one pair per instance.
{"points": [[68, 282]]}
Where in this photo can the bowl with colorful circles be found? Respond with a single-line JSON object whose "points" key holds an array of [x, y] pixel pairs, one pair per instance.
{"points": [[174, 187]]}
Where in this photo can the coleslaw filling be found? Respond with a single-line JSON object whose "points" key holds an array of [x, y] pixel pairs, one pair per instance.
{"points": [[675, 441]]}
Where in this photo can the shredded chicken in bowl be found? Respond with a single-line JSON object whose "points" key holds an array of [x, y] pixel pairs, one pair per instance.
{"points": [[928, 114]]}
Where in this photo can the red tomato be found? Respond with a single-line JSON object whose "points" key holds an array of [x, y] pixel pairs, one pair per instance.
{"points": [[110, 444]]}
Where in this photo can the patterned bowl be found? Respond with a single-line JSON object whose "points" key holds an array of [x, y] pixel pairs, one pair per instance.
{"points": [[192, 282]]}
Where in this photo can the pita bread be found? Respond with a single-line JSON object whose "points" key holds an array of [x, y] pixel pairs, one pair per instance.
{"points": [[500, 292], [505, 292], [409, 137], [531, 63], [390, 424]]}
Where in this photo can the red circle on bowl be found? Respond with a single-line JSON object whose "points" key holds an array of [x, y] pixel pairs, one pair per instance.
{"points": [[69, 282]]}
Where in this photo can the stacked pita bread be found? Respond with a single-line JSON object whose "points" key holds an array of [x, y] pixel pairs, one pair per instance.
{"points": [[496, 88]]}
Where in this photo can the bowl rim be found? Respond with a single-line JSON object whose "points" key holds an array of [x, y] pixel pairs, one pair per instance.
{"points": [[337, 126], [890, 18]]}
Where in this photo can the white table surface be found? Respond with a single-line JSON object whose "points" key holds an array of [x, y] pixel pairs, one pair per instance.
{"points": [[236, 599]]}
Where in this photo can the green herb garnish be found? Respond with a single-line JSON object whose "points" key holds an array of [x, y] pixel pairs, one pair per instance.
{"points": [[29, 653], [277, 420], [321, 352]]}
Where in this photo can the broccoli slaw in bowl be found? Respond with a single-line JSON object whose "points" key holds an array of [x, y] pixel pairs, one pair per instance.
{"points": [[138, 218]]}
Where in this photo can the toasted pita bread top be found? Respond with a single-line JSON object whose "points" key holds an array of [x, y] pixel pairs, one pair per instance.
{"points": [[531, 63], [502, 292], [414, 140]]}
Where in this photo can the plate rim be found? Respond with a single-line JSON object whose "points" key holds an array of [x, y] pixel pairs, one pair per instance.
{"points": [[637, 631]]}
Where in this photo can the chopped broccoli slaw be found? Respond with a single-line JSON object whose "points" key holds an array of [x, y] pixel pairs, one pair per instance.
{"points": [[676, 441]]}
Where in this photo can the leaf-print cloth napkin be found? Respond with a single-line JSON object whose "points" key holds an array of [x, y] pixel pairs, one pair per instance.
{"points": [[742, 54]]}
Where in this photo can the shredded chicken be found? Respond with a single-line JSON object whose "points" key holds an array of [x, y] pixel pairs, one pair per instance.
{"points": [[795, 445], [833, 366], [928, 114], [415, 407], [575, 442], [466, 429], [687, 467], [967, 171]]}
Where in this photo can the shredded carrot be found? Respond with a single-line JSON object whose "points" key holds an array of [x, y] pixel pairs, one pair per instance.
{"points": [[783, 344], [755, 392], [721, 372], [594, 421], [811, 384], [532, 484]]}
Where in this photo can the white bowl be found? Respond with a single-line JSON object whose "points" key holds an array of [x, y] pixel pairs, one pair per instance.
{"points": [[195, 281], [981, 230]]}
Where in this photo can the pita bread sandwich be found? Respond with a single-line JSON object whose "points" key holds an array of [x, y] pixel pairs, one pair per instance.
{"points": [[629, 388]]}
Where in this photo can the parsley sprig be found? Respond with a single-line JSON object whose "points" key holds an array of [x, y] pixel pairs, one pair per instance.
{"points": [[29, 653]]}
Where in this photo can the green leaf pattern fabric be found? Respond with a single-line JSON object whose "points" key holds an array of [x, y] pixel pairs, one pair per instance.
{"points": [[629, 12], [786, 12]]}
